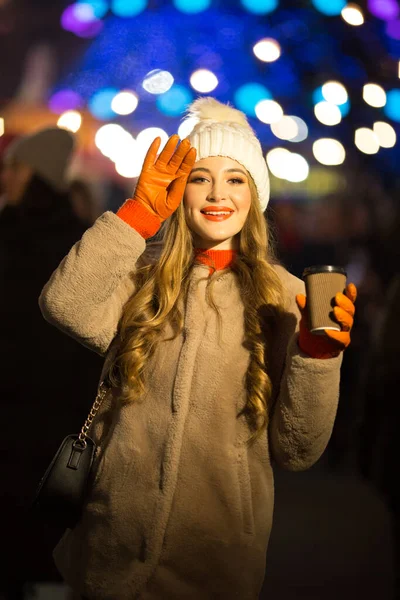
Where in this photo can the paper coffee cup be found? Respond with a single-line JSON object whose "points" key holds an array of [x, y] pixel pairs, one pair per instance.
{"points": [[322, 283]]}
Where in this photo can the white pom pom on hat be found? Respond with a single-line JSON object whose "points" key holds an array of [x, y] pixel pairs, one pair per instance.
{"points": [[222, 130]]}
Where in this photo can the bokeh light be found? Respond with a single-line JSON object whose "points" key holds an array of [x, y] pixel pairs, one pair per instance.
{"points": [[249, 95], [148, 135], [330, 8], [285, 129], [70, 120], [175, 101], [366, 140], [81, 20], [128, 8], [124, 103], [100, 103], [353, 15], [185, 128], [65, 100], [384, 9], [287, 165], [203, 81], [259, 7], [277, 160], [392, 107], [328, 151], [157, 81], [385, 133], [327, 113], [334, 92], [374, 95], [302, 127], [192, 6], [1, 126], [267, 50], [298, 168], [112, 140], [268, 111], [99, 7]]}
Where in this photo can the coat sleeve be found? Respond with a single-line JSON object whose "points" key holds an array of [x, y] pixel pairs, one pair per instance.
{"points": [[86, 294], [306, 397]]}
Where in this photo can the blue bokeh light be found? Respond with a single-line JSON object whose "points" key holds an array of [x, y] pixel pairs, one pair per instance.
{"points": [[329, 7], [248, 95], [192, 6], [392, 106], [344, 108], [100, 7], [174, 102], [100, 103], [128, 8], [317, 95], [259, 7]]}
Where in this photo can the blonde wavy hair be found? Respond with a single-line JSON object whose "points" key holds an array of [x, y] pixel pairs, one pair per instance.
{"points": [[162, 287]]}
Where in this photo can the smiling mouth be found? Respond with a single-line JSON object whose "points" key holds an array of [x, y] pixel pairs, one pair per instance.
{"points": [[217, 215]]}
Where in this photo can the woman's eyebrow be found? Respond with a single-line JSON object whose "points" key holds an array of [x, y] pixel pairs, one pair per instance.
{"points": [[235, 171], [226, 170]]}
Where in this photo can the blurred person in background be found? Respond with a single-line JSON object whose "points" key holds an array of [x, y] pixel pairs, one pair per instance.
{"points": [[83, 202], [47, 379]]}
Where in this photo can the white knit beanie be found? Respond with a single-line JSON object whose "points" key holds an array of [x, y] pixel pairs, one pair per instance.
{"points": [[221, 130], [47, 151]]}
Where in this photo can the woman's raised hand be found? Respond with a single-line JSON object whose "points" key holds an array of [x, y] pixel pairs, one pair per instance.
{"points": [[163, 179]]}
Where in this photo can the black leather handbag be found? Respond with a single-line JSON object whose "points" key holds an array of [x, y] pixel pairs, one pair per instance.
{"points": [[61, 492]]}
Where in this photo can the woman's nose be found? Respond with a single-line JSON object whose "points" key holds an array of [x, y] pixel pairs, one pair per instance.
{"points": [[216, 194]]}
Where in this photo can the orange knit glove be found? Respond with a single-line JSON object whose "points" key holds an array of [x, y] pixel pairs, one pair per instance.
{"points": [[162, 180], [333, 342]]}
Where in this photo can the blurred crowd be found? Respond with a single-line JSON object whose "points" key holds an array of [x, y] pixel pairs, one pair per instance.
{"points": [[48, 381]]}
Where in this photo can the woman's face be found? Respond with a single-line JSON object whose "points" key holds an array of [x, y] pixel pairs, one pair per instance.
{"points": [[217, 201]]}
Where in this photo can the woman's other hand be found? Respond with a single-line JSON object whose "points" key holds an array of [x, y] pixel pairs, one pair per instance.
{"points": [[333, 342]]}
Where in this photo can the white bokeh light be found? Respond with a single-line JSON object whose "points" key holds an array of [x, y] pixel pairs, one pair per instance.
{"points": [[278, 160], [327, 113], [71, 120], [353, 15], [334, 92], [268, 111], [374, 95], [203, 81], [298, 168], [385, 133], [329, 151], [148, 135], [303, 129], [287, 165], [366, 140], [285, 129], [1, 126], [129, 166], [267, 50], [185, 128], [157, 81], [114, 141], [125, 102]]}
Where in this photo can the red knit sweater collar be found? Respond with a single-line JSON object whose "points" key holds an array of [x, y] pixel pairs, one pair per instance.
{"points": [[218, 259]]}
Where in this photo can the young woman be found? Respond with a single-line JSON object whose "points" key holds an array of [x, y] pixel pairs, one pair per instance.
{"points": [[214, 373]]}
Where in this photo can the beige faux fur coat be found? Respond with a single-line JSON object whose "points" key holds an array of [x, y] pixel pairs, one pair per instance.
{"points": [[181, 507]]}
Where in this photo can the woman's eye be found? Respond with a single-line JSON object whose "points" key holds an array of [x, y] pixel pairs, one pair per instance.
{"points": [[198, 180], [236, 180]]}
